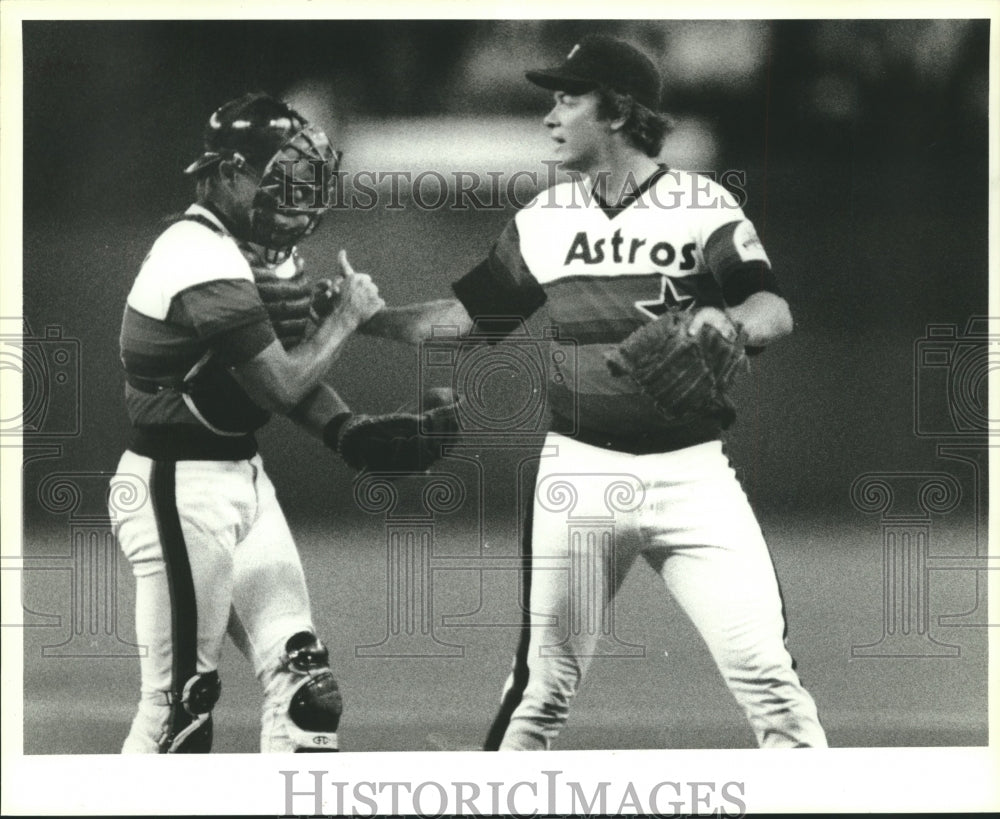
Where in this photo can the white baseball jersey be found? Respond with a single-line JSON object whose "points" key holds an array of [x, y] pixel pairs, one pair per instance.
{"points": [[194, 308], [683, 241]]}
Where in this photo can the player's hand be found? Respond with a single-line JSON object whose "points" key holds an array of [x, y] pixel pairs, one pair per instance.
{"points": [[716, 318], [358, 298]]}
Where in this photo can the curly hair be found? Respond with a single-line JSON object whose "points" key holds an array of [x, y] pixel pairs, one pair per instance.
{"points": [[644, 128]]}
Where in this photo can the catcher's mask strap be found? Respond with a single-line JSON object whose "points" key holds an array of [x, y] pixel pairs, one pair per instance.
{"points": [[203, 161]]}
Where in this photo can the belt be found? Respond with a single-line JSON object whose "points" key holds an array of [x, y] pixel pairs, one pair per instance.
{"points": [[644, 443], [151, 386], [187, 442]]}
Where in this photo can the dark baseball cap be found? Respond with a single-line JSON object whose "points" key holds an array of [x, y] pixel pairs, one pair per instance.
{"points": [[255, 126], [600, 60]]}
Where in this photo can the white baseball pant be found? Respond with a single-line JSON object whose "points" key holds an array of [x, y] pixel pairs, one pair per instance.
{"points": [[234, 555], [687, 515]]}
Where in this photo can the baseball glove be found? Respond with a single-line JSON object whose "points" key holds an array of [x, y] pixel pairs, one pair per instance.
{"points": [[397, 442], [687, 376], [294, 303]]}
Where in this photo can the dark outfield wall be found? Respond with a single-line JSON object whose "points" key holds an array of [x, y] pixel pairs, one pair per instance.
{"points": [[877, 230]]}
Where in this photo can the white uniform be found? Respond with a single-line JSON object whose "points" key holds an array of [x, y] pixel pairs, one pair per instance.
{"points": [[668, 490], [211, 550]]}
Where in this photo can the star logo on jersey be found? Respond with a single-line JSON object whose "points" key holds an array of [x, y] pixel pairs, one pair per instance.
{"points": [[669, 299]]}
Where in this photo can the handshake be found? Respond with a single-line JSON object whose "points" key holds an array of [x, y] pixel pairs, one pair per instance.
{"points": [[396, 442], [297, 304]]}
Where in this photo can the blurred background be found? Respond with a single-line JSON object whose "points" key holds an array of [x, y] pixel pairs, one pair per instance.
{"points": [[860, 146]]}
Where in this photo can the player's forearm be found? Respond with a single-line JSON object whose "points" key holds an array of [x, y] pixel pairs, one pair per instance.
{"points": [[311, 359], [316, 410], [765, 318], [413, 323], [279, 381]]}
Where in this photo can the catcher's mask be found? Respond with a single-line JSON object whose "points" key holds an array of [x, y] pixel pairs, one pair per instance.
{"points": [[293, 162]]}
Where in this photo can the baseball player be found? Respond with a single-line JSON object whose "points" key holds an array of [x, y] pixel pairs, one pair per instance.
{"points": [[210, 549], [625, 245]]}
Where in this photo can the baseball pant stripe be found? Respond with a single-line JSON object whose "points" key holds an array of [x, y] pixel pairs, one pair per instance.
{"points": [[784, 620], [781, 594], [183, 605], [784, 609], [512, 698]]}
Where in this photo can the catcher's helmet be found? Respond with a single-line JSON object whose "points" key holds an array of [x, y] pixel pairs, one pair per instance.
{"points": [[294, 161]]}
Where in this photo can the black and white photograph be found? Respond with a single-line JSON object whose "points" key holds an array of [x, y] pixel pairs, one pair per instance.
{"points": [[426, 383]]}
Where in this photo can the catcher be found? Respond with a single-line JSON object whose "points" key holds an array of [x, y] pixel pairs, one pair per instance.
{"points": [[662, 282], [208, 357]]}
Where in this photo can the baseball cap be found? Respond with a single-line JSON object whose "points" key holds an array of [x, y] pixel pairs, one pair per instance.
{"points": [[600, 60], [255, 125]]}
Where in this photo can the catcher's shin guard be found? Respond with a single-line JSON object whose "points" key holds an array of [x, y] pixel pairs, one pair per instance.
{"points": [[189, 729], [305, 706]]}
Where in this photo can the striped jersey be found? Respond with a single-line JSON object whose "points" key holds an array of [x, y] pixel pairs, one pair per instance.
{"points": [[681, 241], [194, 304]]}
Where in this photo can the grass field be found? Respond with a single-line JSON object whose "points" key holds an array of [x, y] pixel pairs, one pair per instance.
{"points": [[671, 697]]}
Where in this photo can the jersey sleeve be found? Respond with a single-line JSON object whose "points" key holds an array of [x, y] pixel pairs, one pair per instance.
{"points": [[734, 252], [229, 316], [736, 256], [199, 283], [501, 286]]}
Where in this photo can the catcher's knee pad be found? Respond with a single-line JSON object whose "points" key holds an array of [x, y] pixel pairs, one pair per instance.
{"points": [[189, 728], [315, 705]]}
